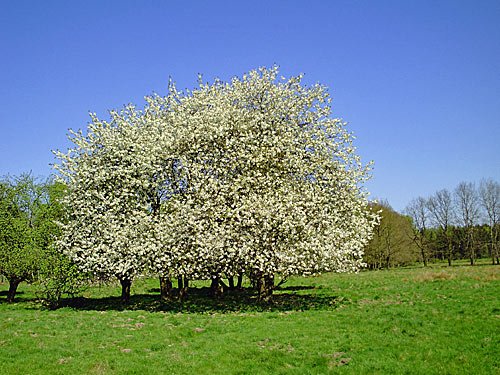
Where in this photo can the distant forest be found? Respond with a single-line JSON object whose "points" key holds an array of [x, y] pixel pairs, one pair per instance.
{"points": [[449, 225]]}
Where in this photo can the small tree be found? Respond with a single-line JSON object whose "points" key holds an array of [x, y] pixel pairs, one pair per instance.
{"points": [[417, 209], [489, 193], [20, 224], [467, 206], [57, 274], [392, 243], [440, 206]]}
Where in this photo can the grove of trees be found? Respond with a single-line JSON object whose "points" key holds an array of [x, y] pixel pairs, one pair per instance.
{"points": [[248, 177], [462, 224], [465, 221]]}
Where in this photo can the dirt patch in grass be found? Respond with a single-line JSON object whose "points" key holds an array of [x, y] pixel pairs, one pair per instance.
{"points": [[491, 275], [100, 368], [337, 359], [434, 276]]}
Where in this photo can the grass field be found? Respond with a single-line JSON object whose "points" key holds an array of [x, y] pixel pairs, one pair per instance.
{"points": [[439, 320]]}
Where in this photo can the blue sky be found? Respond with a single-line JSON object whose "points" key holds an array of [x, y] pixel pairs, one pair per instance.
{"points": [[417, 81]]}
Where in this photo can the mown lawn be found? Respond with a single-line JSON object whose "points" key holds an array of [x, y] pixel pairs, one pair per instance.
{"points": [[439, 320]]}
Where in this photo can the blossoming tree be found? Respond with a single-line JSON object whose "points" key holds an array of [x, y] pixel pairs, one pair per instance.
{"points": [[248, 176], [274, 181]]}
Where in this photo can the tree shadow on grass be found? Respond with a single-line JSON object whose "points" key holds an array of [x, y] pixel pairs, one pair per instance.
{"points": [[199, 300], [4, 293], [20, 297], [297, 287]]}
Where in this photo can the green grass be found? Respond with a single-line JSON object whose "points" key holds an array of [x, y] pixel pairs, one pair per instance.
{"points": [[439, 320]]}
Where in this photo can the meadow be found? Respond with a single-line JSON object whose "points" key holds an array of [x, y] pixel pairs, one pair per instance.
{"points": [[434, 320]]}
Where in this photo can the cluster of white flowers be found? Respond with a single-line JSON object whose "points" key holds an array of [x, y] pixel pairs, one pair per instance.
{"points": [[247, 176]]}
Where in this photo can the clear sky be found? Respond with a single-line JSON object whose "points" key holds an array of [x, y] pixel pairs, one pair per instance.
{"points": [[417, 81]]}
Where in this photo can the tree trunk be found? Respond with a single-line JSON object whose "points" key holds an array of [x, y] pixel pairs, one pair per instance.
{"points": [[269, 284], [183, 287], [126, 283], [213, 284], [469, 245], [13, 284], [265, 287], [215, 287], [472, 248], [449, 253], [423, 246], [261, 288], [165, 287], [230, 281], [422, 251], [494, 245], [239, 285]]}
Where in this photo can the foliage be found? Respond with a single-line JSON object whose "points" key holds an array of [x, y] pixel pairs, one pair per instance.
{"points": [[249, 176], [21, 229], [58, 276], [392, 243]]}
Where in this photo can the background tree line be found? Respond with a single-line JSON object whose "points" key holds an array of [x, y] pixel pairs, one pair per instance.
{"points": [[448, 225]]}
